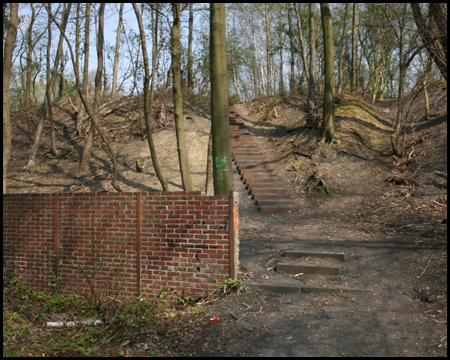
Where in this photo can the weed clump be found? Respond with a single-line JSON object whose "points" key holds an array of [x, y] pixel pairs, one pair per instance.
{"points": [[40, 324]]}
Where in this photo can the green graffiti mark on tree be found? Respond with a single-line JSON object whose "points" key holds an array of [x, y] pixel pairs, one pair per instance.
{"points": [[221, 162]]}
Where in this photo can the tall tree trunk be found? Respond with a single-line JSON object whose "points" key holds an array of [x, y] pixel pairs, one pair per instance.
{"points": [[81, 109], [330, 82], [46, 107], [385, 77], [258, 52], [86, 157], [87, 150], [341, 84], [28, 99], [61, 78], [220, 126], [397, 137], [7, 63], [51, 84], [208, 163], [93, 115], [424, 83], [312, 53], [116, 54], [355, 62], [292, 51], [148, 94], [236, 85], [378, 67], [186, 177], [77, 56], [269, 58], [436, 43], [302, 41], [281, 58], [190, 77]]}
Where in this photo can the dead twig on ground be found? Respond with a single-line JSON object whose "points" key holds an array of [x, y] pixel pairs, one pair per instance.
{"points": [[423, 272]]}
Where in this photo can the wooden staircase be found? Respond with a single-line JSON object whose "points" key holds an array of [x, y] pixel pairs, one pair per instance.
{"points": [[262, 182]]}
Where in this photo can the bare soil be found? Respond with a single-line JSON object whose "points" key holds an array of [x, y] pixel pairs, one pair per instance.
{"points": [[388, 215]]}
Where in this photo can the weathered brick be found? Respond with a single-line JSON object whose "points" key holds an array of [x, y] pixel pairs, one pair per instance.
{"points": [[173, 225]]}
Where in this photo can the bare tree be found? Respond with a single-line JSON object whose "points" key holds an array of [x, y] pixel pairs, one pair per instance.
{"points": [[148, 95], [30, 47], [434, 37], [405, 59], [292, 50], [81, 108], [116, 54], [341, 51], [190, 78], [302, 41], [312, 54], [330, 82], [7, 63], [186, 177], [355, 62], [93, 115], [46, 108], [85, 159]]}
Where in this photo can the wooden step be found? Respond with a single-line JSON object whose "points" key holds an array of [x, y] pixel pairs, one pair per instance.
{"points": [[265, 187], [237, 126], [246, 176], [271, 185], [297, 268], [244, 147], [266, 196], [277, 208], [245, 151], [252, 166], [263, 181], [257, 169], [322, 255], [254, 173], [273, 190], [240, 135], [241, 141], [258, 178], [254, 157], [271, 202], [237, 139]]}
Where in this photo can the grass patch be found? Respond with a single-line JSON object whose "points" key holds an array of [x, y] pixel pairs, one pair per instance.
{"points": [[91, 332]]}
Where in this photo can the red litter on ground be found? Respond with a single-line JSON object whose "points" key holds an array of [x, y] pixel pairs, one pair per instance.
{"points": [[214, 319]]}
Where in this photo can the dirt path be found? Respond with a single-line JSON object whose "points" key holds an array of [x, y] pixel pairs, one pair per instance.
{"points": [[382, 256]]}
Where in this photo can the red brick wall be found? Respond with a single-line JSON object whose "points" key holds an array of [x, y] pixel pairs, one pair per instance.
{"points": [[181, 241]]}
